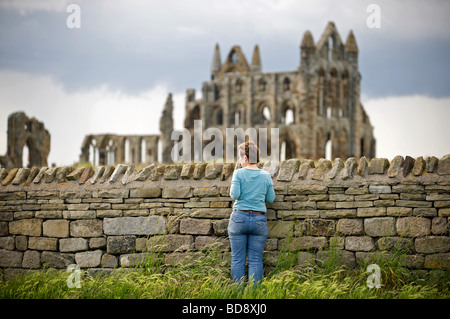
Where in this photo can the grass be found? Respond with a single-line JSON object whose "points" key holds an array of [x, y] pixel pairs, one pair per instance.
{"points": [[208, 277]]}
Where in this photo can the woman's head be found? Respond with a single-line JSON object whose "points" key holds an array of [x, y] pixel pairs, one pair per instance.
{"points": [[250, 150]]}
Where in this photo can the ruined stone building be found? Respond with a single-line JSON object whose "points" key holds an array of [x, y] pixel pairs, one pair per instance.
{"points": [[315, 106], [25, 134], [109, 149]]}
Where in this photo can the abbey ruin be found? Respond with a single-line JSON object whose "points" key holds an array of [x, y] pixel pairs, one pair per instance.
{"points": [[315, 107]]}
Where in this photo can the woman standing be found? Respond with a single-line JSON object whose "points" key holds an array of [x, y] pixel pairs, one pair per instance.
{"points": [[251, 187]]}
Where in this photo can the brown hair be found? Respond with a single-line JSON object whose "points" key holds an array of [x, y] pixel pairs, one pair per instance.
{"points": [[250, 150]]}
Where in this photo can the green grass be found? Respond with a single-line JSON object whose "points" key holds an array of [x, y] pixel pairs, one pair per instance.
{"points": [[208, 277]]}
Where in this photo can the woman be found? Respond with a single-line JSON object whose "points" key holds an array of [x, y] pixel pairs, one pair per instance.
{"points": [[251, 187]]}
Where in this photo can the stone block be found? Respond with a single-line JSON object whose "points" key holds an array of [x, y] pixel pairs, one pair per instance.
{"points": [[379, 189], [132, 260], [399, 244], [151, 192], [21, 176], [118, 171], [339, 213], [27, 227], [363, 167], [89, 259], [97, 174], [10, 177], [109, 261], [350, 226], [279, 228], [7, 243], [51, 259], [67, 245], [437, 261], [56, 228], [4, 229], [150, 225], [86, 228], [319, 227], [220, 227], [195, 226], [113, 193], [395, 168], [307, 189], [408, 165], [97, 243], [321, 170], [79, 214], [210, 242], [75, 174], [339, 257], [199, 170], [419, 166], [120, 244], [213, 170], [302, 243], [378, 166], [444, 165], [371, 211], [287, 170], [10, 258], [413, 226], [440, 226], [177, 192], [304, 168], [399, 211], [432, 244], [379, 226], [425, 212], [359, 243], [43, 243], [206, 191], [211, 212], [31, 259], [170, 243], [350, 168], [337, 167], [187, 171], [172, 172], [297, 214]]}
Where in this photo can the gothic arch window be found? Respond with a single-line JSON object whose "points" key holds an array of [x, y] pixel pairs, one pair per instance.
{"points": [[266, 115], [238, 86], [218, 116], [321, 92], [194, 115], [286, 84], [262, 85], [216, 92]]}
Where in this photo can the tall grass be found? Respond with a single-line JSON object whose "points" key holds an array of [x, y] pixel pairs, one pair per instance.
{"points": [[207, 277]]}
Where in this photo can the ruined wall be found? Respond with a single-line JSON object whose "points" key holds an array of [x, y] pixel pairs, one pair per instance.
{"points": [[105, 217]]}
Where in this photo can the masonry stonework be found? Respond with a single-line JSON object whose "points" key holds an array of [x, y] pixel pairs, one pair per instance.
{"points": [[102, 217]]}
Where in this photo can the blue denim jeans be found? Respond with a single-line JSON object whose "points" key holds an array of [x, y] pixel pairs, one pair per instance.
{"points": [[248, 234]]}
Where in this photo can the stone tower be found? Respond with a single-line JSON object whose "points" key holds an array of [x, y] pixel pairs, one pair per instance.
{"points": [[316, 107], [26, 132]]}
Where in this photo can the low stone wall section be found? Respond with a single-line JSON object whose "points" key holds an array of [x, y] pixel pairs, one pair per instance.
{"points": [[102, 218]]}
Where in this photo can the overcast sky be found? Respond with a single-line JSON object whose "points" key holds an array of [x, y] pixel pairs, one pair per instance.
{"points": [[113, 74]]}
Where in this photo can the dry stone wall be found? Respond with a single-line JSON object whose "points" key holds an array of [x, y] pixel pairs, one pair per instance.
{"points": [[106, 217]]}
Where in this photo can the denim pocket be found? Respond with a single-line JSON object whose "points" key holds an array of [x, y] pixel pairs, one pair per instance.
{"points": [[261, 226], [236, 224]]}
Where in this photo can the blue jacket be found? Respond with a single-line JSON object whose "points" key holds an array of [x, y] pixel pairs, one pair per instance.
{"points": [[251, 188]]}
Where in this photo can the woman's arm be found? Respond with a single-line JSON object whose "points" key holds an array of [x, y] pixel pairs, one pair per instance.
{"points": [[270, 194], [235, 189]]}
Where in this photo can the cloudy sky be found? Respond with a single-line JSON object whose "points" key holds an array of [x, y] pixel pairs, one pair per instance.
{"points": [[113, 74]]}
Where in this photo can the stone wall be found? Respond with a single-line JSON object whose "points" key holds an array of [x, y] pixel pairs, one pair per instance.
{"points": [[105, 217]]}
